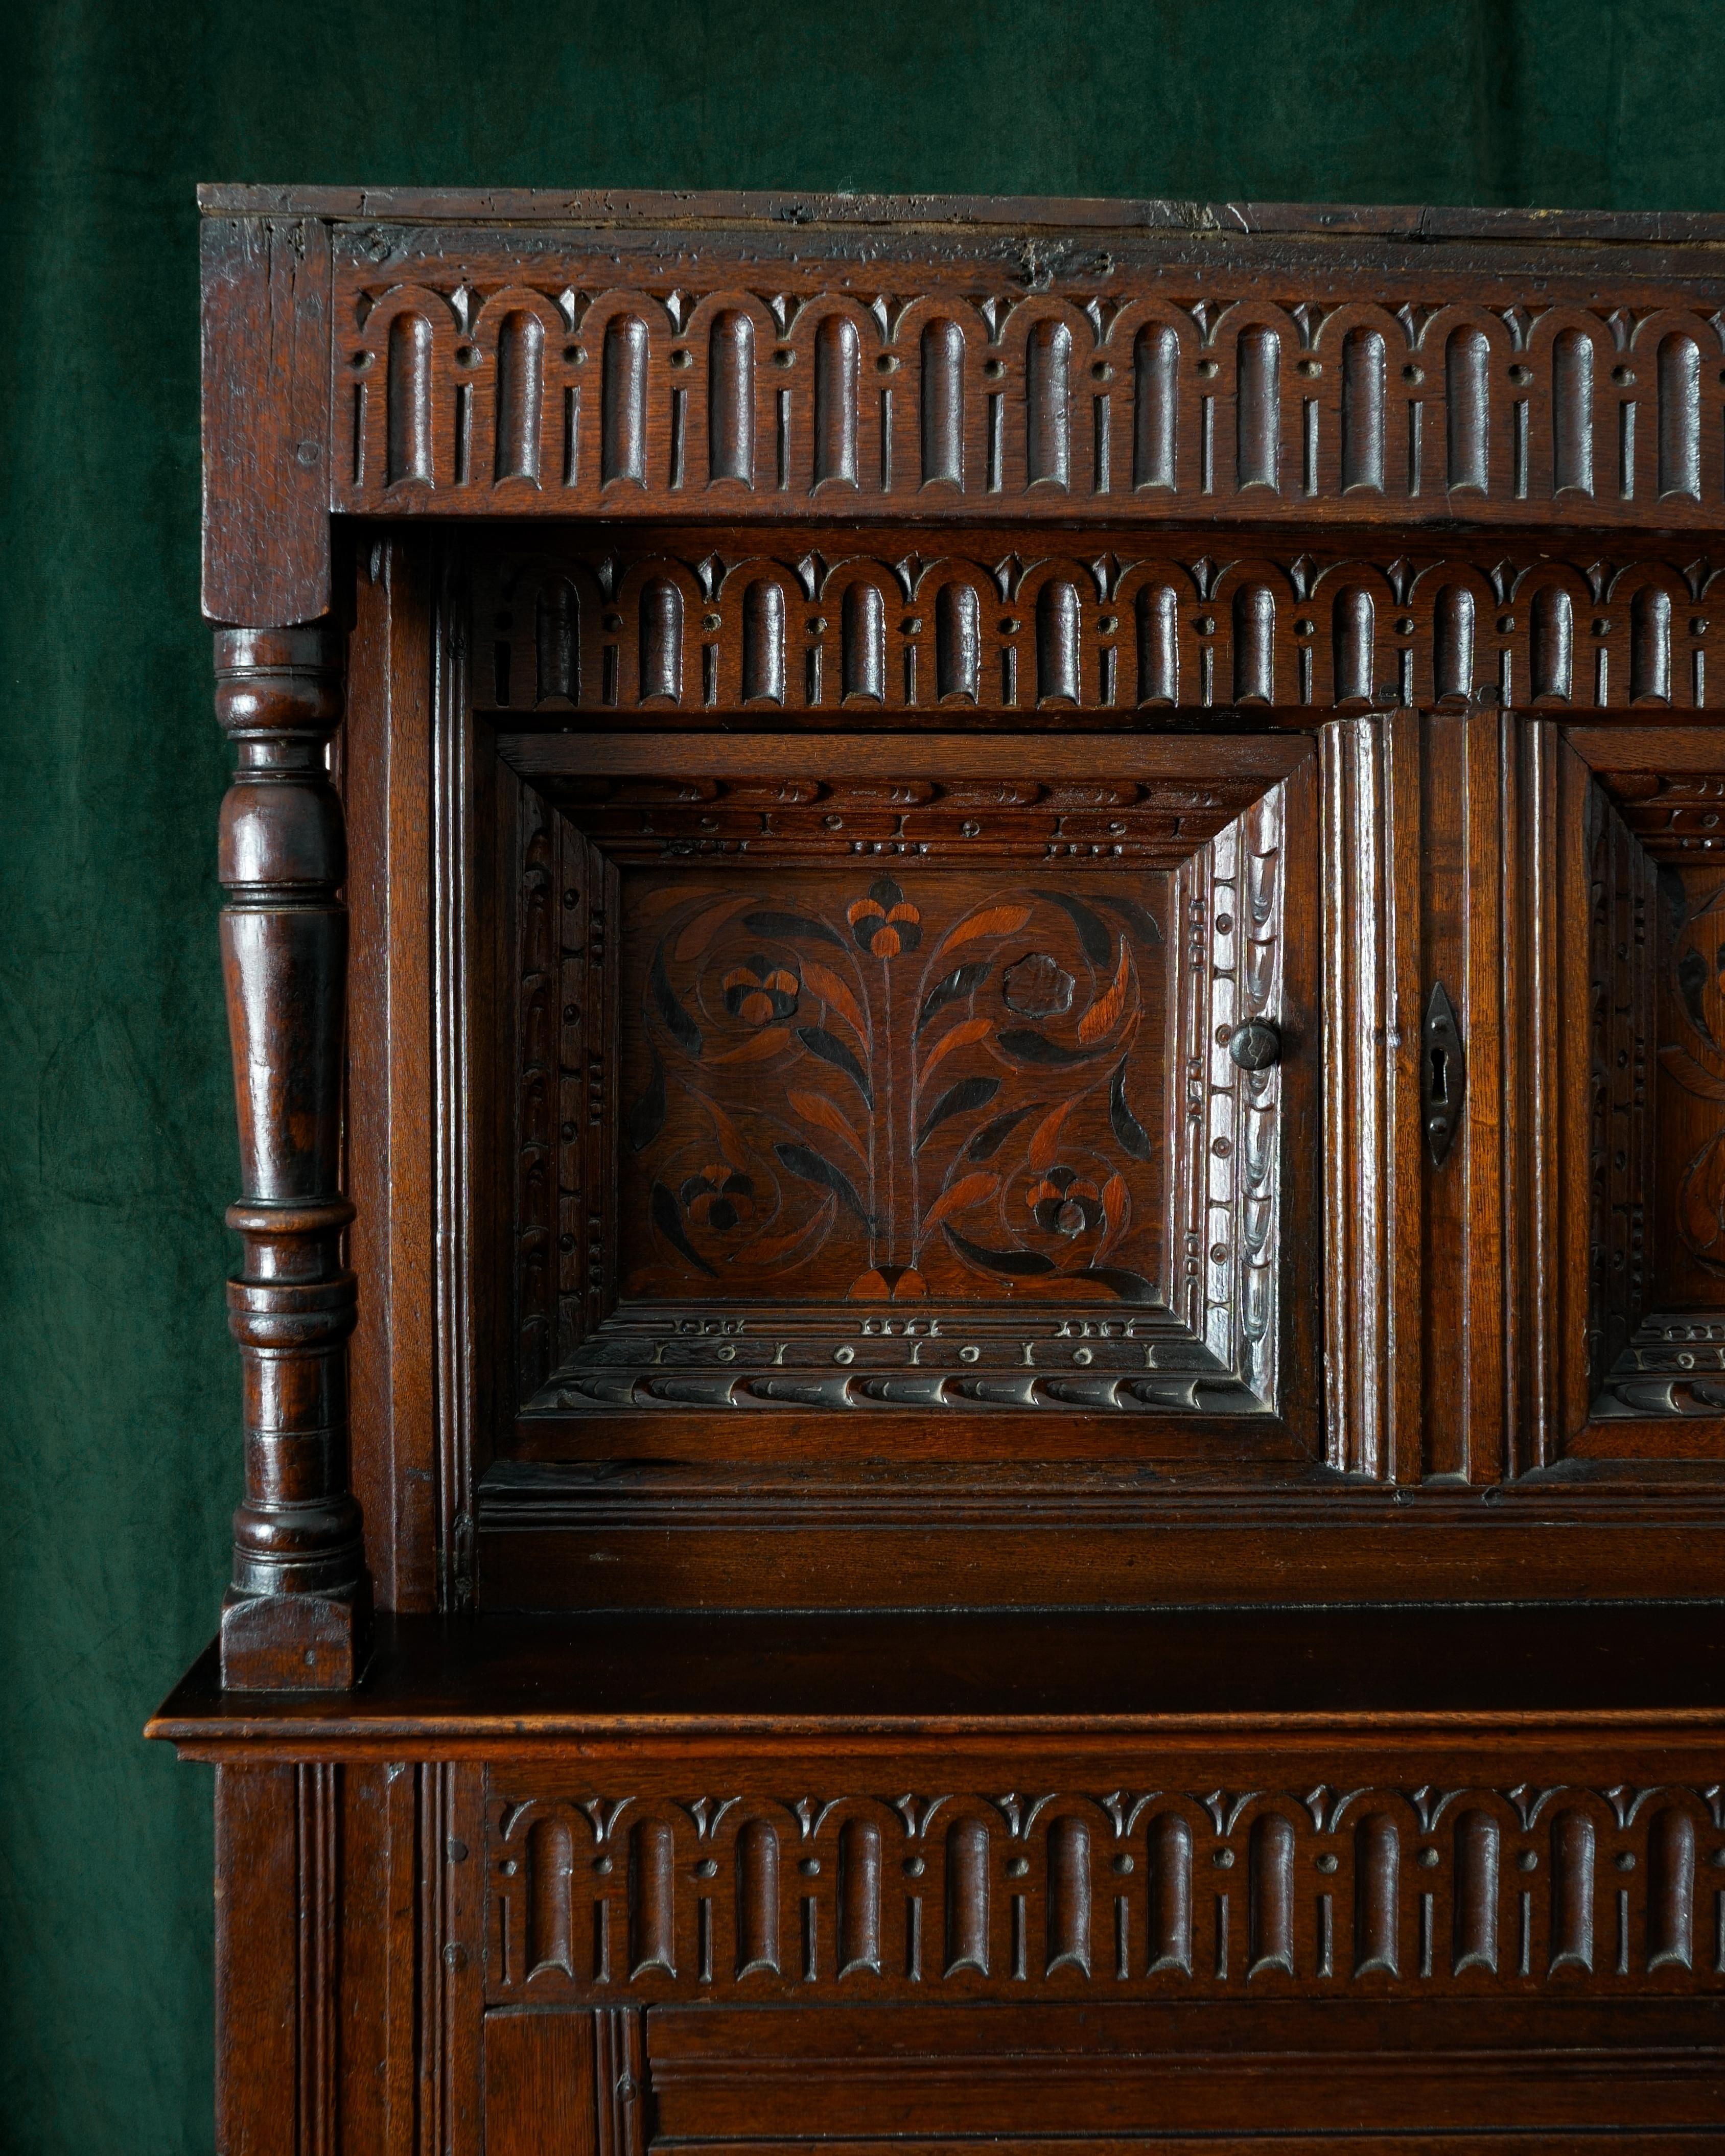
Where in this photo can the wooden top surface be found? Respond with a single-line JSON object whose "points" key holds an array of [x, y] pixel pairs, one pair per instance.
{"points": [[987, 1675], [590, 206]]}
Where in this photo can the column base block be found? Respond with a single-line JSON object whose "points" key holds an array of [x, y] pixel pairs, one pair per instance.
{"points": [[295, 1642]]}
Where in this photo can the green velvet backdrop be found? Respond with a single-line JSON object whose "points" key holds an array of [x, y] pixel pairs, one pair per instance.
{"points": [[116, 1391]]}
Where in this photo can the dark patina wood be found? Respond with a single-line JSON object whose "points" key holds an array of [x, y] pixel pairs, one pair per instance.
{"points": [[1024, 1149]]}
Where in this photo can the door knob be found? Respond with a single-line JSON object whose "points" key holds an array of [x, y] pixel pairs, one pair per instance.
{"points": [[1255, 1045]]}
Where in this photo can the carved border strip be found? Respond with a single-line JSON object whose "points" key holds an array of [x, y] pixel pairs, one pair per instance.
{"points": [[558, 379], [696, 627], [1151, 1894]]}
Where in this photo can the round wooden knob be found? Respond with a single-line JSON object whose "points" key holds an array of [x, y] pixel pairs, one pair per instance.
{"points": [[1256, 1045]]}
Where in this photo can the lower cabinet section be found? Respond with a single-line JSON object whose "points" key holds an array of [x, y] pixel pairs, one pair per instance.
{"points": [[1094, 2078], [604, 1944]]}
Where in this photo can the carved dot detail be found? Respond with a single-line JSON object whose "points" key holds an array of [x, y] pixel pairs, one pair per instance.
{"points": [[784, 356], [681, 358], [886, 364], [1529, 1859], [1623, 376], [568, 1133], [1223, 1860], [1209, 369], [706, 1869], [709, 622], [1428, 1858], [1505, 623], [1626, 1860], [994, 369], [1326, 1862], [844, 1354], [1017, 1867], [1124, 1866], [1225, 924], [574, 355], [571, 1013], [1205, 626], [1219, 1253], [603, 1866], [969, 827], [810, 1867], [1305, 628], [970, 1354], [1521, 375], [1411, 373], [1310, 368], [914, 1867]]}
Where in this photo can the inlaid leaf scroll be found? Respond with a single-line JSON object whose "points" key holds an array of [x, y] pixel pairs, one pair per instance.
{"points": [[883, 1048]]}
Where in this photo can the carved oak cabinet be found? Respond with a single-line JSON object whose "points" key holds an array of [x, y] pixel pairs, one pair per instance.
{"points": [[977, 962]]}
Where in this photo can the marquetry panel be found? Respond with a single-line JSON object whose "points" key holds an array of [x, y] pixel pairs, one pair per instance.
{"points": [[1199, 1891], [917, 1084], [823, 623], [1649, 1105], [1222, 378]]}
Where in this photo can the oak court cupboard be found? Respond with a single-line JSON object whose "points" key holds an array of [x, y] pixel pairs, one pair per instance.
{"points": [[976, 952]]}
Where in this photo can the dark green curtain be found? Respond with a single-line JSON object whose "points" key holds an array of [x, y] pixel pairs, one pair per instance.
{"points": [[117, 1418]]}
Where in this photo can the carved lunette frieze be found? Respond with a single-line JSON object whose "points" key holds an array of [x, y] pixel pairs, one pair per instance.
{"points": [[1196, 1891], [823, 628], [1225, 382]]}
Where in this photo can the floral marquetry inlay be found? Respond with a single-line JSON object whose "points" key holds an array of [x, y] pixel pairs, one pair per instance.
{"points": [[864, 1088]]}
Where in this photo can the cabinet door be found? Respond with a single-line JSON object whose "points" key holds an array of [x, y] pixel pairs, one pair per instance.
{"points": [[1636, 1043], [954, 1096]]}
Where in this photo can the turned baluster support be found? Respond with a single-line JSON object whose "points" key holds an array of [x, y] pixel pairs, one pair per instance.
{"points": [[298, 1615]]}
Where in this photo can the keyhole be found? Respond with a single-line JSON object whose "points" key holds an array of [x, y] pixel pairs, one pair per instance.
{"points": [[1440, 1076]]}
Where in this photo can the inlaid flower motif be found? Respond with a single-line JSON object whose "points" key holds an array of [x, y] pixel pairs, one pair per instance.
{"points": [[757, 991], [1064, 1203], [718, 1197], [885, 923]]}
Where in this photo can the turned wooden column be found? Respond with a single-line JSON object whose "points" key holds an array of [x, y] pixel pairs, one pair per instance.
{"points": [[298, 1615]]}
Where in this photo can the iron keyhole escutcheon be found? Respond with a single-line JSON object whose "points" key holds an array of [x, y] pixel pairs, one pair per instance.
{"points": [[1443, 1073]]}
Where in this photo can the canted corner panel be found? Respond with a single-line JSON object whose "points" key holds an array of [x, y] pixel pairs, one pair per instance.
{"points": [[490, 380], [826, 624], [1202, 1892], [900, 1093], [1649, 1119]]}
